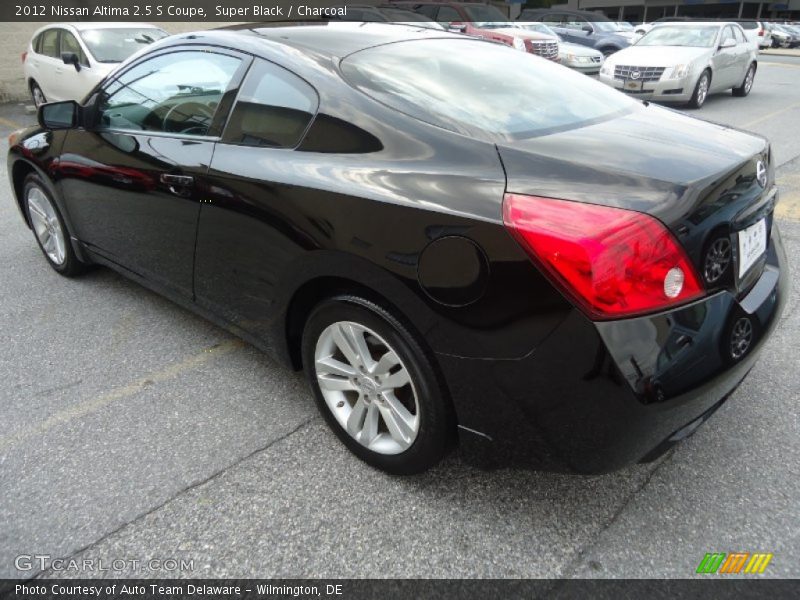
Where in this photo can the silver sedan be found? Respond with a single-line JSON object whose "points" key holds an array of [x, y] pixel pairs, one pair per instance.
{"points": [[684, 62]]}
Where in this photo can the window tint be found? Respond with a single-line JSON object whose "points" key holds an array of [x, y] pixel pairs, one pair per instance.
{"points": [[274, 108], [448, 14], [429, 10], [69, 43], [49, 45], [739, 35], [176, 93], [554, 19], [513, 95]]}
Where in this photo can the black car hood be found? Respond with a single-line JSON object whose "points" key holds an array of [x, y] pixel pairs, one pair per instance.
{"points": [[653, 160]]}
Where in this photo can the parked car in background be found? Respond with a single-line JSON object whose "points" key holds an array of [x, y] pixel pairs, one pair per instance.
{"points": [[755, 32], [512, 258], [781, 38], [684, 62], [794, 33], [66, 60], [581, 58], [582, 27], [487, 22]]}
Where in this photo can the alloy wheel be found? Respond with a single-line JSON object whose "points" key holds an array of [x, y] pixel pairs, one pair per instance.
{"points": [[367, 387], [38, 96], [702, 90], [748, 82], [46, 225]]}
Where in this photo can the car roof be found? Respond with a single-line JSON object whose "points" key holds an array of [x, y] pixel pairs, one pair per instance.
{"points": [[330, 38]]}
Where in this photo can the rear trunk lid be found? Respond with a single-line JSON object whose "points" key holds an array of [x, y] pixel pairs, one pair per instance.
{"points": [[699, 179]]}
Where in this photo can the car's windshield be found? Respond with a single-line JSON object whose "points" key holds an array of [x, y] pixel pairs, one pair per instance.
{"points": [[624, 26], [513, 95], [483, 13], [117, 44], [672, 35]]}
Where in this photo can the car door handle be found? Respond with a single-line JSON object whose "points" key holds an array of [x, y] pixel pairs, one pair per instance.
{"points": [[182, 180]]}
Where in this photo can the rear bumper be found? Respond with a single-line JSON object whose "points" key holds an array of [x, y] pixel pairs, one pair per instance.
{"points": [[595, 397]]}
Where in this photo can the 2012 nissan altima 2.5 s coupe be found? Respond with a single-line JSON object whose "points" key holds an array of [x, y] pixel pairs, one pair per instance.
{"points": [[458, 242]]}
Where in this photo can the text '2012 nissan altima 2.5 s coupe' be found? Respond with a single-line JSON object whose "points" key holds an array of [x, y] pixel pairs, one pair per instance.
{"points": [[459, 243]]}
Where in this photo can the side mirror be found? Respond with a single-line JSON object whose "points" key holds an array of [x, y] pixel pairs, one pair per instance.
{"points": [[58, 115], [70, 58], [457, 27], [728, 43], [588, 29]]}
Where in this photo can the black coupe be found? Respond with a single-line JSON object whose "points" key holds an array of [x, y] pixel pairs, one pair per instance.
{"points": [[457, 241]]}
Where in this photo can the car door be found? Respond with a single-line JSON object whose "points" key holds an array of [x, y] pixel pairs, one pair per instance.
{"points": [[724, 62], [133, 181], [244, 236], [743, 49], [46, 64]]}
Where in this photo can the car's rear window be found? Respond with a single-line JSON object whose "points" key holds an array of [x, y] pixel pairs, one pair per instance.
{"points": [[512, 94], [748, 24]]}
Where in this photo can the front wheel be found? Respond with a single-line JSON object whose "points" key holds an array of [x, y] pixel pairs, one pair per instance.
{"points": [[376, 386], [49, 228], [700, 90], [747, 83]]}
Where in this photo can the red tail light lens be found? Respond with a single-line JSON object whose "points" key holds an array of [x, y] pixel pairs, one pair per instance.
{"points": [[24, 55], [613, 262]]}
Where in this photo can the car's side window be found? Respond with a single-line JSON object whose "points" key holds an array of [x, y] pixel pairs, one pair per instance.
{"points": [[177, 92], [70, 44], [448, 14], [728, 33], [273, 109], [740, 39], [49, 43]]}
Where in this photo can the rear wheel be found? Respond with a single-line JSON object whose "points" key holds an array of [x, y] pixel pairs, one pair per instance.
{"points": [[49, 228], [37, 94], [608, 51], [747, 83], [701, 90], [376, 386]]}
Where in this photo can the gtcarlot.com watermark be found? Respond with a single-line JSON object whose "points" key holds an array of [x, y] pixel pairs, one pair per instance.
{"points": [[43, 562]]}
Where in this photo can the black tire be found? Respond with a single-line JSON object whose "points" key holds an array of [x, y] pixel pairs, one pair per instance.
{"points": [[71, 266], [37, 94], [608, 51], [747, 83], [436, 431], [698, 97]]}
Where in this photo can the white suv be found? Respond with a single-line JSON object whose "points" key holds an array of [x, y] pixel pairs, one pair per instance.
{"points": [[65, 61]]}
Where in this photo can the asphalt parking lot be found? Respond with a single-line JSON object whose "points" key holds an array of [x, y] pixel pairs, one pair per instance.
{"points": [[132, 429]]}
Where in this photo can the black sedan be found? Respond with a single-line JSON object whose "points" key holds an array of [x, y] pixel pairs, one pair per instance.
{"points": [[458, 242]]}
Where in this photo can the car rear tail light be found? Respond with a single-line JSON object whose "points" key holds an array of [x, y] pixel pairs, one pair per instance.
{"points": [[613, 262], [24, 55], [760, 32]]}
